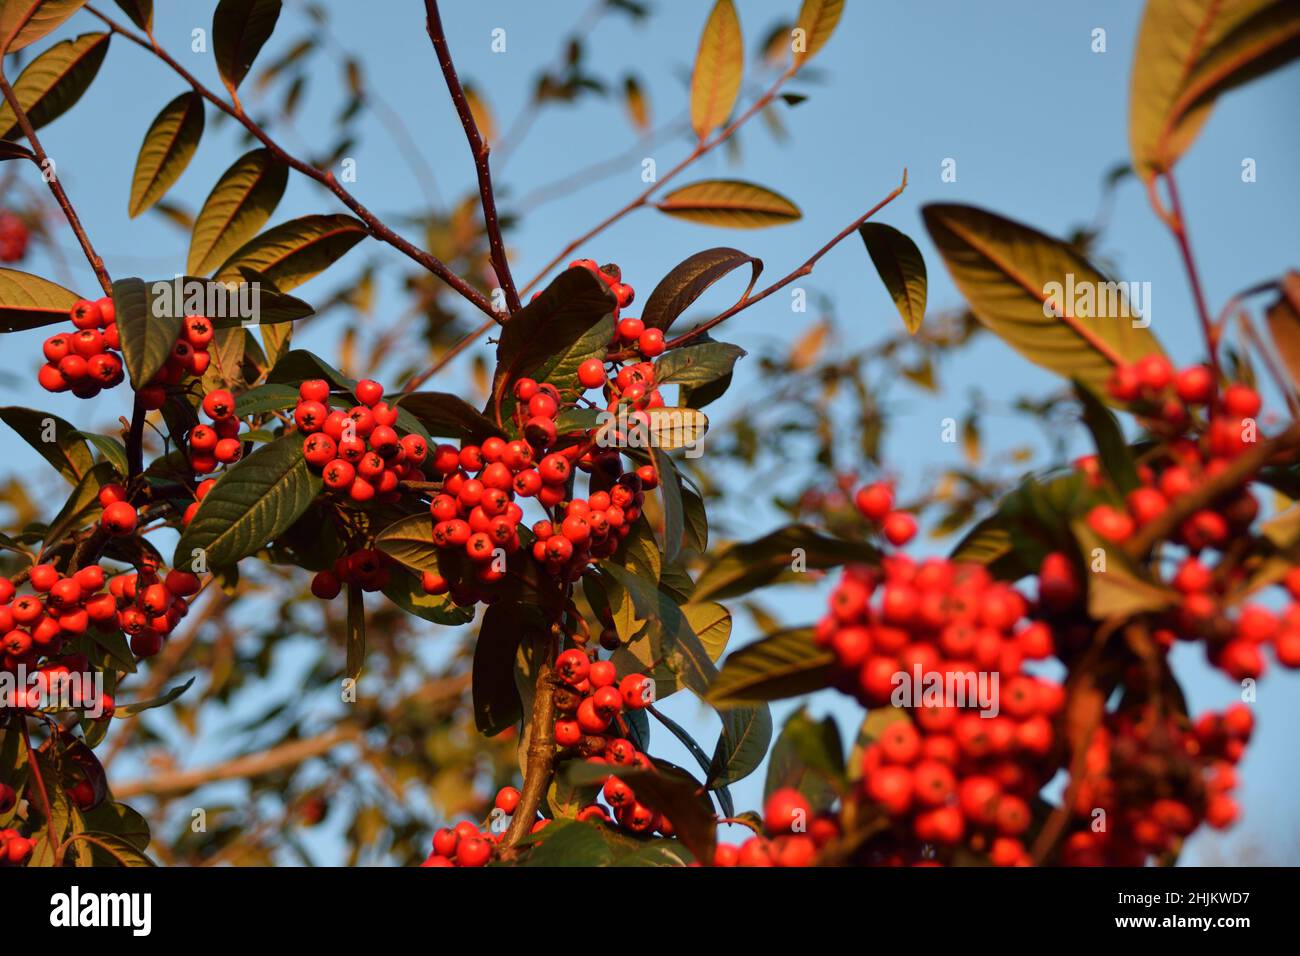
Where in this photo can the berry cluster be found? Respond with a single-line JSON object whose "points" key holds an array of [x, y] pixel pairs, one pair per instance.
{"points": [[791, 836], [1157, 781], [218, 443], [189, 356], [468, 845], [14, 236], [84, 362], [947, 770], [358, 451], [1171, 405], [14, 847], [368, 568]]}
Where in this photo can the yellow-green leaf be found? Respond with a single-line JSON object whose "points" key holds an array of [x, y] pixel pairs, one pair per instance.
{"points": [[26, 21], [240, 204], [293, 252], [817, 20], [719, 66], [901, 268], [1190, 51], [1038, 294], [54, 81], [730, 203], [29, 302], [167, 149]]}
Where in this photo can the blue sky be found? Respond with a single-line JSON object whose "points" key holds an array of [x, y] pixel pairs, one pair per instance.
{"points": [[1010, 90]]}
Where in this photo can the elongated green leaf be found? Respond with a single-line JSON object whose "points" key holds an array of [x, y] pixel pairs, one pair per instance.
{"points": [[29, 302], [130, 710], [1115, 455], [57, 442], [265, 398], [448, 416], [240, 204], [571, 321], [410, 541], [570, 843], [1189, 52], [779, 555], [671, 635], [168, 146], [293, 252], [901, 268], [404, 590], [742, 745], [809, 756], [140, 12], [1122, 589], [1039, 295], [54, 81], [670, 493], [689, 279], [109, 448], [815, 24], [729, 203], [496, 698], [667, 789], [252, 503], [25, 21], [696, 365], [147, 334], [719, 66], [784, 664], [711, 625], [239, 30]]}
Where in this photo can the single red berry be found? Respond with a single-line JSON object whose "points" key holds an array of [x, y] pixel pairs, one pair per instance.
{"points": [[219, 404], [119, 518]]}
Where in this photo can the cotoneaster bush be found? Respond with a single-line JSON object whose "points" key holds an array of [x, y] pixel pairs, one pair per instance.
{"points": [[566, 514]]}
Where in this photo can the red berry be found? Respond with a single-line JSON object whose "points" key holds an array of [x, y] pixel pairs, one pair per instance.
{"points": [[786, 810], [899, 527], [591, 373], [119, 518]]}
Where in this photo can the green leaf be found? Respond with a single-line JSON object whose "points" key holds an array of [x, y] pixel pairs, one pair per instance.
{"points": [[1114, 452], [410, 541], [709, 622], [240, 204], [568, 843], [239, 30], [741, 568], [1016, 278], [253, 502], [1122, 590], [496, 698], [448, 416], [746, 733], [113, 643], [689, 279], [293, 252], [657, 853], [719, 67], [809, 756], [130, 710], [785, 664], [667, 789], [670, 493], [695, 365], [356, 631], [168, 146], [82, 505], [140, 12], [570, 322], [65, 450], [817, 20], [271, 397], [147, 334], [729, 203], [901, 268], [1188, 53], [404, 590], [25, 21], [697, 521], [672, 638], [54, 81], [29, 302], [109, 448]]}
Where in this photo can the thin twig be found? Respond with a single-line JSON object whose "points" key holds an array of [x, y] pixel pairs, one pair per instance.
{"points": [[481, 150], [376, 227]]}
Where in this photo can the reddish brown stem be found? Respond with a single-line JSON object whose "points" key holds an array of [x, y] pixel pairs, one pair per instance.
{"points": [[481, 151], [541, 742], [376, 227], [35, 764]]}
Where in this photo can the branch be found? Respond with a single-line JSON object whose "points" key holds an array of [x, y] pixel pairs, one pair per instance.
{"points": [[51, 177], [377, 228], [481, 151], [541, 743], [177, 782], [1204, 494], [811, 263], [1178, 226], [701, 149]]}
